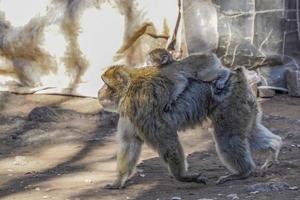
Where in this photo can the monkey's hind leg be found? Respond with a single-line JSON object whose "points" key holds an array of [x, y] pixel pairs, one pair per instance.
{"points": [[170, 150], [262, 138], [234, 152], [127, 157]]}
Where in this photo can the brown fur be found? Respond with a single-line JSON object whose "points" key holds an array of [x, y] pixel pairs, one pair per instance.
{"points": [[140, 96]]}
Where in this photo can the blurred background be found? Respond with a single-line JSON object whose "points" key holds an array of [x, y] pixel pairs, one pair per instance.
{"points": [[63, 46]]}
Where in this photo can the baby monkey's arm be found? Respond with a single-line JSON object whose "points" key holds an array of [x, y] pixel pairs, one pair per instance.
{"points": [[181, 82]]}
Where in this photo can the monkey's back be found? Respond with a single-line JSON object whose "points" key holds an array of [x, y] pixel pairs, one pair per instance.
{"points": [[149, 93]]}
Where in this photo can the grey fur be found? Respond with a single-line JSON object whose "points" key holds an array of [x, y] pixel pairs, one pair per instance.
{"points": [[199, 67], [142, 119]]}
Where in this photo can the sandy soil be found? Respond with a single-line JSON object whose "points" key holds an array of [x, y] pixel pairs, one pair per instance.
{"points": [[55, 147]]}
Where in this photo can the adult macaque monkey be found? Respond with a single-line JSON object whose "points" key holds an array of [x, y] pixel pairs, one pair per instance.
{"points": [[139, 95], [201, 67], [143, 92]]}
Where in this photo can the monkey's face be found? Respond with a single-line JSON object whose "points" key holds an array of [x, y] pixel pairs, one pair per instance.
{"points": [[109, 98], [116, 80]]}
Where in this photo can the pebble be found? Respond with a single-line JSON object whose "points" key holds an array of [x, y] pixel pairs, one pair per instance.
{"points": [[269, 187], [142, 175], [37, 189], [293, 188], [233, 196], [176, 198], [205, 199]]}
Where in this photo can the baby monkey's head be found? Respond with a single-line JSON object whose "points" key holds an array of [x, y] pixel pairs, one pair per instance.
{"points": [[159, 57]]}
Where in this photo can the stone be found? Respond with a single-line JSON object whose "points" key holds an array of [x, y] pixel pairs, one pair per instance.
{"points": [[265, 92], [232, 196], [269, 187], [43, 114], [293, 82], [176, 198]]}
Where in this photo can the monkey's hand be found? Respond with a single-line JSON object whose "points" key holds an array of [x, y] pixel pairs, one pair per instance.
{"points": [[220, 89], [218, 85]]}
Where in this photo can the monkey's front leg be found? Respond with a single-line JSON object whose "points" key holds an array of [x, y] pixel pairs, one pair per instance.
{"points": [[128, 154]]}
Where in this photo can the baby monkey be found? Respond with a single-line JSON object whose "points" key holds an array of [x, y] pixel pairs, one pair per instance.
{"points": [[198, 67]]}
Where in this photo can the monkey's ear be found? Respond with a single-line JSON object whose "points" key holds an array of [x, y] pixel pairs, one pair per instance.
{"points": [[164, 59]]}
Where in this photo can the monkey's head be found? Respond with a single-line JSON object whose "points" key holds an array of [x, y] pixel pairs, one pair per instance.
{"points": [[158, 57], [116, 80]]}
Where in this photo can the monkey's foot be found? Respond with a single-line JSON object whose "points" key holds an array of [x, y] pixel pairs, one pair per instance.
{"points": [[231, 177], [114, 186]]}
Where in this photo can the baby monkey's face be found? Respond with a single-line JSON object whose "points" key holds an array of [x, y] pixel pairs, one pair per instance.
{"points": [[158, 57]]}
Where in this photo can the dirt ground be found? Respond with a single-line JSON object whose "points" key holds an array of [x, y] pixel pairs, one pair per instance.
{"points": [[57, 147]]}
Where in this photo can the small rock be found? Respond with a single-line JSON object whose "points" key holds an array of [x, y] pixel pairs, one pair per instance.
{"points": [[45, 197], [254, 192], [43, 114], [139, 170], [265, 92], [205, 199], [127, 197], [142, 175], [269, 187], [233, 196], [176, 198], [293, 188], [37, 189]]}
